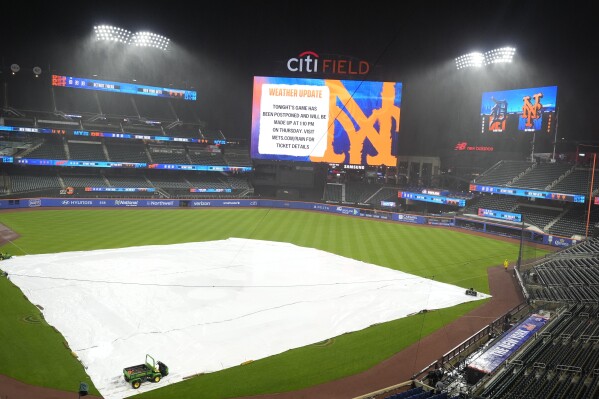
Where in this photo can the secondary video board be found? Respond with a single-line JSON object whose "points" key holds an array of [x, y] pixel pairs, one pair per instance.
{"points": [[521, 110]]}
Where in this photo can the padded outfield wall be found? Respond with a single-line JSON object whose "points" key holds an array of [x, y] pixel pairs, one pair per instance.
{"points": [[448, 221]]}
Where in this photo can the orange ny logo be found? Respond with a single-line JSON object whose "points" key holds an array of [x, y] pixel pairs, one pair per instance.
{"points": [[532, 111], [366, 135]]}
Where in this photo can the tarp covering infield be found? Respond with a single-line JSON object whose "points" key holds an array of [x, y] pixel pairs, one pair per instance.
{"points": [[206, 306]]}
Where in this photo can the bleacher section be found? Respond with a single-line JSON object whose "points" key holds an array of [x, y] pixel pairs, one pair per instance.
{"points": [[129, 181], [359, 193], [82, 103], [167, 182], [238, 183], [538, 216], [553, 216], [383, 194], [574, 222], [497, 202], [541, 176], [588, 248], [237, 157], [86, 150], [26, 183], [179, 129], [151, 108], [568, 277], [577, 182], [174, 154], [202, 156], [207, 180], [116, 105], [52, 147], [502, 173], [84, 180], [333, 192], [126, 151]]}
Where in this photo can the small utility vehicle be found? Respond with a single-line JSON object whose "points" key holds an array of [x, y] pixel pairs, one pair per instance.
{"points": [[149, 371]]}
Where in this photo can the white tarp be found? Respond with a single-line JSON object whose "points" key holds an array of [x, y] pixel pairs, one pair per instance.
{"points": [[206, 306]]}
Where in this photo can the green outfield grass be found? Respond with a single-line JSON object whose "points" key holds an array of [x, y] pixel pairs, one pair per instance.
{"points": [[33, 351]]}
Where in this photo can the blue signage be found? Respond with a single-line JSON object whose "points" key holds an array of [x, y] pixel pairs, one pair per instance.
{"points": [[213, 168], [523, 192], [77, 163], [437, 199], [112, 135], [122, 87], [509, 344], [19, 129], [560, 242], [122, 189], [493, 213], [107, 164]]}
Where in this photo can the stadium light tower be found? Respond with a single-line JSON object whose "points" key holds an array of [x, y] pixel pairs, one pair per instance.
{"points": [[469, 60], [138, 39], [478, 59], [149, 39], [500, 55]]}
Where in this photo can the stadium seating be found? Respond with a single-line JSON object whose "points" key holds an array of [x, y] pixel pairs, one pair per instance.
{"points": [[541, 176], [26, 183], [173, 154], [135, 181], [204, 157], [499, 202], [559, 363], [538, 216], [573, 222], [503, 173], [333, 192], [84, 180], [86, 150], [53, 147], [118, 151], [577, 182], [237, 157], [383, 194], [359, 193]]}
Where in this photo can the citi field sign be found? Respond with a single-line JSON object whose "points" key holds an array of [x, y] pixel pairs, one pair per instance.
{"points": [[311, 62]]}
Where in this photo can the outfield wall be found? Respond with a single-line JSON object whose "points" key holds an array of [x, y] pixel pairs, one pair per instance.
{"points": [[448, 221]]}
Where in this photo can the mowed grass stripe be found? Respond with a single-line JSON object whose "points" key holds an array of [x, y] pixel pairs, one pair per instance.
{"points": [[413, 249]]}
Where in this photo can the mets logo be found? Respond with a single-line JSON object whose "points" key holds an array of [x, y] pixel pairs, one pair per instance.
{"points": [[35, 203], [531, 111]]}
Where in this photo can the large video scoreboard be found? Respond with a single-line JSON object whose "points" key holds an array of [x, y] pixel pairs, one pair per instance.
{"points": [[322, 120]]}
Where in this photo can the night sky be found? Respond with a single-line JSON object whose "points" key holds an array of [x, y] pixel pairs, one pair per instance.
{"points": [[218, 47]]}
